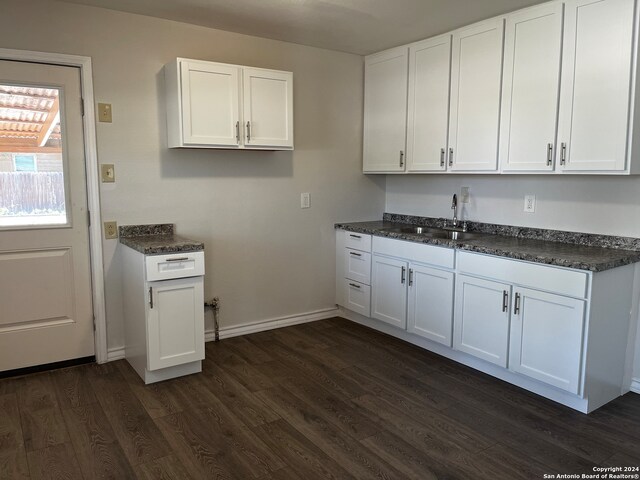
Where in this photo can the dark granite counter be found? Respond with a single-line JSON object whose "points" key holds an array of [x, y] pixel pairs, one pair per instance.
{"points": [[590, 252], [156, 239]]}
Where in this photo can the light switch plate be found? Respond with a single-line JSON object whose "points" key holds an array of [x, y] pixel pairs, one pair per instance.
{"points": [[110, 230], [104, 112], [107, 173], [305, 200]]}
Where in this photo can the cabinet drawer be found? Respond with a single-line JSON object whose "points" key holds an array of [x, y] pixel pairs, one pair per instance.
{"points": [[176, 265], [543, 277], [357, 241], [358, 266], [417, 252], [357, 297]]}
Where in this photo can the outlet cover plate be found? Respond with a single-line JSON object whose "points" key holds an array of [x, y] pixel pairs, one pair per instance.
{"points": [[107, 173], [530, 203], [110, 230]]}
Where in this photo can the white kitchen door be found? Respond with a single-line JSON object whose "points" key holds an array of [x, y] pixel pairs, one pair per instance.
{"points": [[45, 283]]}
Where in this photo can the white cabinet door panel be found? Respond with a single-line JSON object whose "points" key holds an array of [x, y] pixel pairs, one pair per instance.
{"points": [[210, 104], [429, 80], [476, 72], [268, 108], [385, 110], [531, 87], [481, 324], [546, 338], [389, 291], [596, 78], [430, 312], [175, 322]]}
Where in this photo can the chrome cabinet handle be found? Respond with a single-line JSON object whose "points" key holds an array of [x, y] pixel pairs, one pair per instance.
{"points": [[505, 300], [549, 153], [150, 297], [248, 132], [442, 157], [401, 158], [354, 285], [410, 276], [355, 254], [355, 236], [516, 305], [238, 132], [181, 259], [403, 276], [451, 157], [563, 154]]}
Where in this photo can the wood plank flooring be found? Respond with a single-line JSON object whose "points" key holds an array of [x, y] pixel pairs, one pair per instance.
{"points": [[324, 400]]}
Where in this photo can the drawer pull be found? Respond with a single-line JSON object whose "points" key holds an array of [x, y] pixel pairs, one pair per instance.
{"points": [[410, 276], [355, 254], [549, 154], [403, 275], [505, 300], [181, 259], [401, 159], [563, 154], [451, 157], [516, 305], [442, 157], [354, 285], [150, 297], [355, 236]]}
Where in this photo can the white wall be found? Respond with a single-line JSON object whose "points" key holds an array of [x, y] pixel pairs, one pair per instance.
{"points": [[266, 258], [595, 204]]}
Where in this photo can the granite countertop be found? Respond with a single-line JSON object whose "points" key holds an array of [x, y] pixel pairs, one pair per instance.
{"points": [[156, 239], [589, 252]]}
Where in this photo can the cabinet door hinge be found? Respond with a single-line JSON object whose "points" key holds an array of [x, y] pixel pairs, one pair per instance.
{"points": [[82, 106], [94, 324], [88, 218]]}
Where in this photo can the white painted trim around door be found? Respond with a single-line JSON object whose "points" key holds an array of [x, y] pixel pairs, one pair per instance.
{"points": [[93, 184]]}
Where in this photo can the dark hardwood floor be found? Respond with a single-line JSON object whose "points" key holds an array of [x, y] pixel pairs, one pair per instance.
{"points": [[329, 399]]}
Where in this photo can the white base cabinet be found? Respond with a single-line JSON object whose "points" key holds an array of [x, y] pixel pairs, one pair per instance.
{"points": [[559, 332], [482, 319], [163, 313], [552, 359]]}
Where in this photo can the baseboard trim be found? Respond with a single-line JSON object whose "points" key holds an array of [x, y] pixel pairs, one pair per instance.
{"points": [[271, 324], [635, 385], [115, 354]]}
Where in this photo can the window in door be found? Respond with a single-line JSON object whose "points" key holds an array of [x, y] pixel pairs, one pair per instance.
{"points": [[33, 184]]}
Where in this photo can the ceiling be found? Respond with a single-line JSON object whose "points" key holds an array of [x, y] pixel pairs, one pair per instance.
{"points": [[354, 26]]}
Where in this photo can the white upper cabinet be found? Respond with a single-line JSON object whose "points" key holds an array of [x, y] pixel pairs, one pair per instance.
{"points": [[216, 105], [385, 111], [428, 110], [268, 108], [596, 76], [475, 97], [531, 87]]}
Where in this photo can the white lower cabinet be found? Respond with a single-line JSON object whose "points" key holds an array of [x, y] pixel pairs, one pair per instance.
{"points": [[482, 319], [554, 359], [559, 332], [389, 290], [430, 307], [171, 340], [163, 299]]}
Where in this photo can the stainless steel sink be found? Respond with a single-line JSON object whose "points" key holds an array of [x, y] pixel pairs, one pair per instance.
{"points": [[413, 229], [451, 235]]}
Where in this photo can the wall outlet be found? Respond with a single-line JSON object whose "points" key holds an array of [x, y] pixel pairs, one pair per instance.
{"points": [[110, 230], [464, 195], [305, 200], [108, 173], [529, 203]]}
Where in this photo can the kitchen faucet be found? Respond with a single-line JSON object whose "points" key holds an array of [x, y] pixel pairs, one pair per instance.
{"points": [[454, 207]]}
